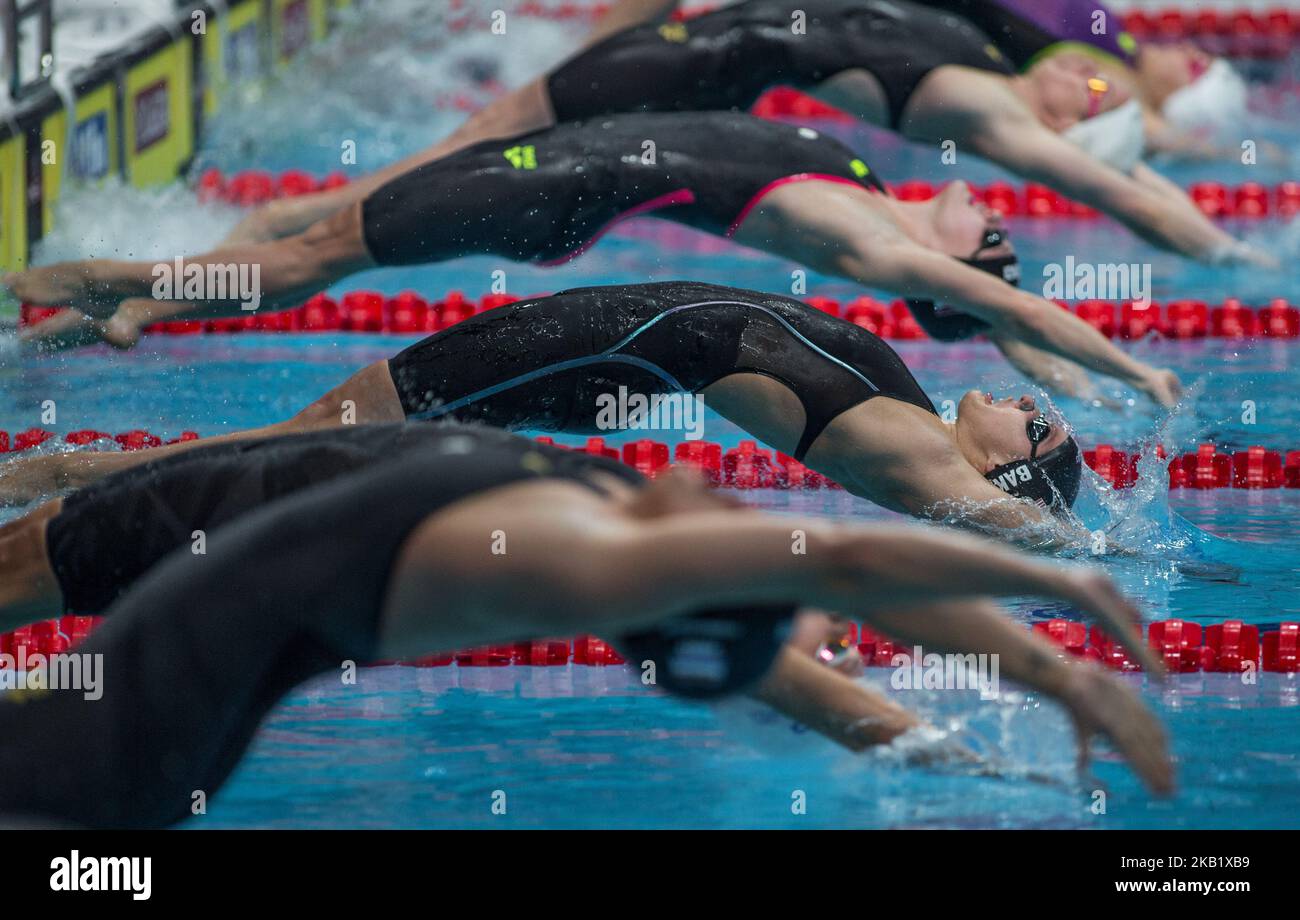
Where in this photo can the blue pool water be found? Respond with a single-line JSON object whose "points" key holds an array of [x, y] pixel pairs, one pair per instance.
{"points": [[590, 747]]}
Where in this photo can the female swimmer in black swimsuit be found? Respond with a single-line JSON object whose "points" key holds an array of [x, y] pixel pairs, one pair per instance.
{"points": [[392, 560], [824, 390], [545, 197], [929, 75]]}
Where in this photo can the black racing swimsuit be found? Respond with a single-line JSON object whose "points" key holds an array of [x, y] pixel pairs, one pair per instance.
{"points": [[1025, 29], [727, 59], [544, 363], [110, 533], [202, 646], [547, 195]]}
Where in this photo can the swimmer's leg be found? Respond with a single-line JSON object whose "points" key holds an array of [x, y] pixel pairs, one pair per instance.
{"points": [[367, 397], [526, 109], [28, 588], [282, 273]]}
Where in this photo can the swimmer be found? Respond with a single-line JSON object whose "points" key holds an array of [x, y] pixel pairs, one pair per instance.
{"points": [[1180, 89], [392, 561], [825, 391], [545, 197], [928, 75], [81, 553]]}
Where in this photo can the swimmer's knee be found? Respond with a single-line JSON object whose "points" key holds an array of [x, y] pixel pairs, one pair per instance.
{"points": [[330, 411]]}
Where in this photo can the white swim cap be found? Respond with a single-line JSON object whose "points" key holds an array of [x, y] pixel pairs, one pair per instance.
{"points": [[1215, 97], [1117, 137]]}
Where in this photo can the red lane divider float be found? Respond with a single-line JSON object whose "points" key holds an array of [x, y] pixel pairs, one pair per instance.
{"points": [[748, 466], [408, 313], [136, 439], [1185, 647]]}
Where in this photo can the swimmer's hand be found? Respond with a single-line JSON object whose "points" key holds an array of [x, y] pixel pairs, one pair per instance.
{"points": [[1211, 571], [1241, 253], [1093, 592], [1100, 705], [947, 751], [953, 753], [1163, 386]]}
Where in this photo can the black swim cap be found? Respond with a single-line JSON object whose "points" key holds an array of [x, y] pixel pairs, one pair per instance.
{"points": [[1052, 480], [712, 653], [947, 324]]}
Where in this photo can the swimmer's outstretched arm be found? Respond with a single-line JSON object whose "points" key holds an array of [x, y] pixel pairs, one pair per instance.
{"points": [[843, 710], [848, 232], [1059, 374], [1097, 702], [1016, 313], [730, 556], [737, 556], [1011, 136]]}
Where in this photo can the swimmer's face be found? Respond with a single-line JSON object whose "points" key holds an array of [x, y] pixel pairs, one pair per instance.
{"points": [[997, 427], [1166, 68], [1068, 91], [960, 222]]}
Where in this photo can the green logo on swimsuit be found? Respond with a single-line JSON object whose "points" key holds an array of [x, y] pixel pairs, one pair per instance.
{"points": [[522, 157], [1127, 42], [673, 32], [859, 168]]}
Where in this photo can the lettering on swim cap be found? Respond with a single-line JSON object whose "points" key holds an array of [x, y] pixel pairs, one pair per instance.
{"points": [[673, 32], [859, 168], [1013, 477]]}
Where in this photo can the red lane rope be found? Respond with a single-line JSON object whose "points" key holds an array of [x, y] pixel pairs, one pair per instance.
{"points": [[1230, 646], [748, 466], [408, 313]]}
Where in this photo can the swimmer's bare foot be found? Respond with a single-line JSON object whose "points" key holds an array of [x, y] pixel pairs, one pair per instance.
{"points": [[75, 284]]}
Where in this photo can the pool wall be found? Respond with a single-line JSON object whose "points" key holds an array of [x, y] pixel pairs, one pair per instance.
{"points": [[137, 109]]}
